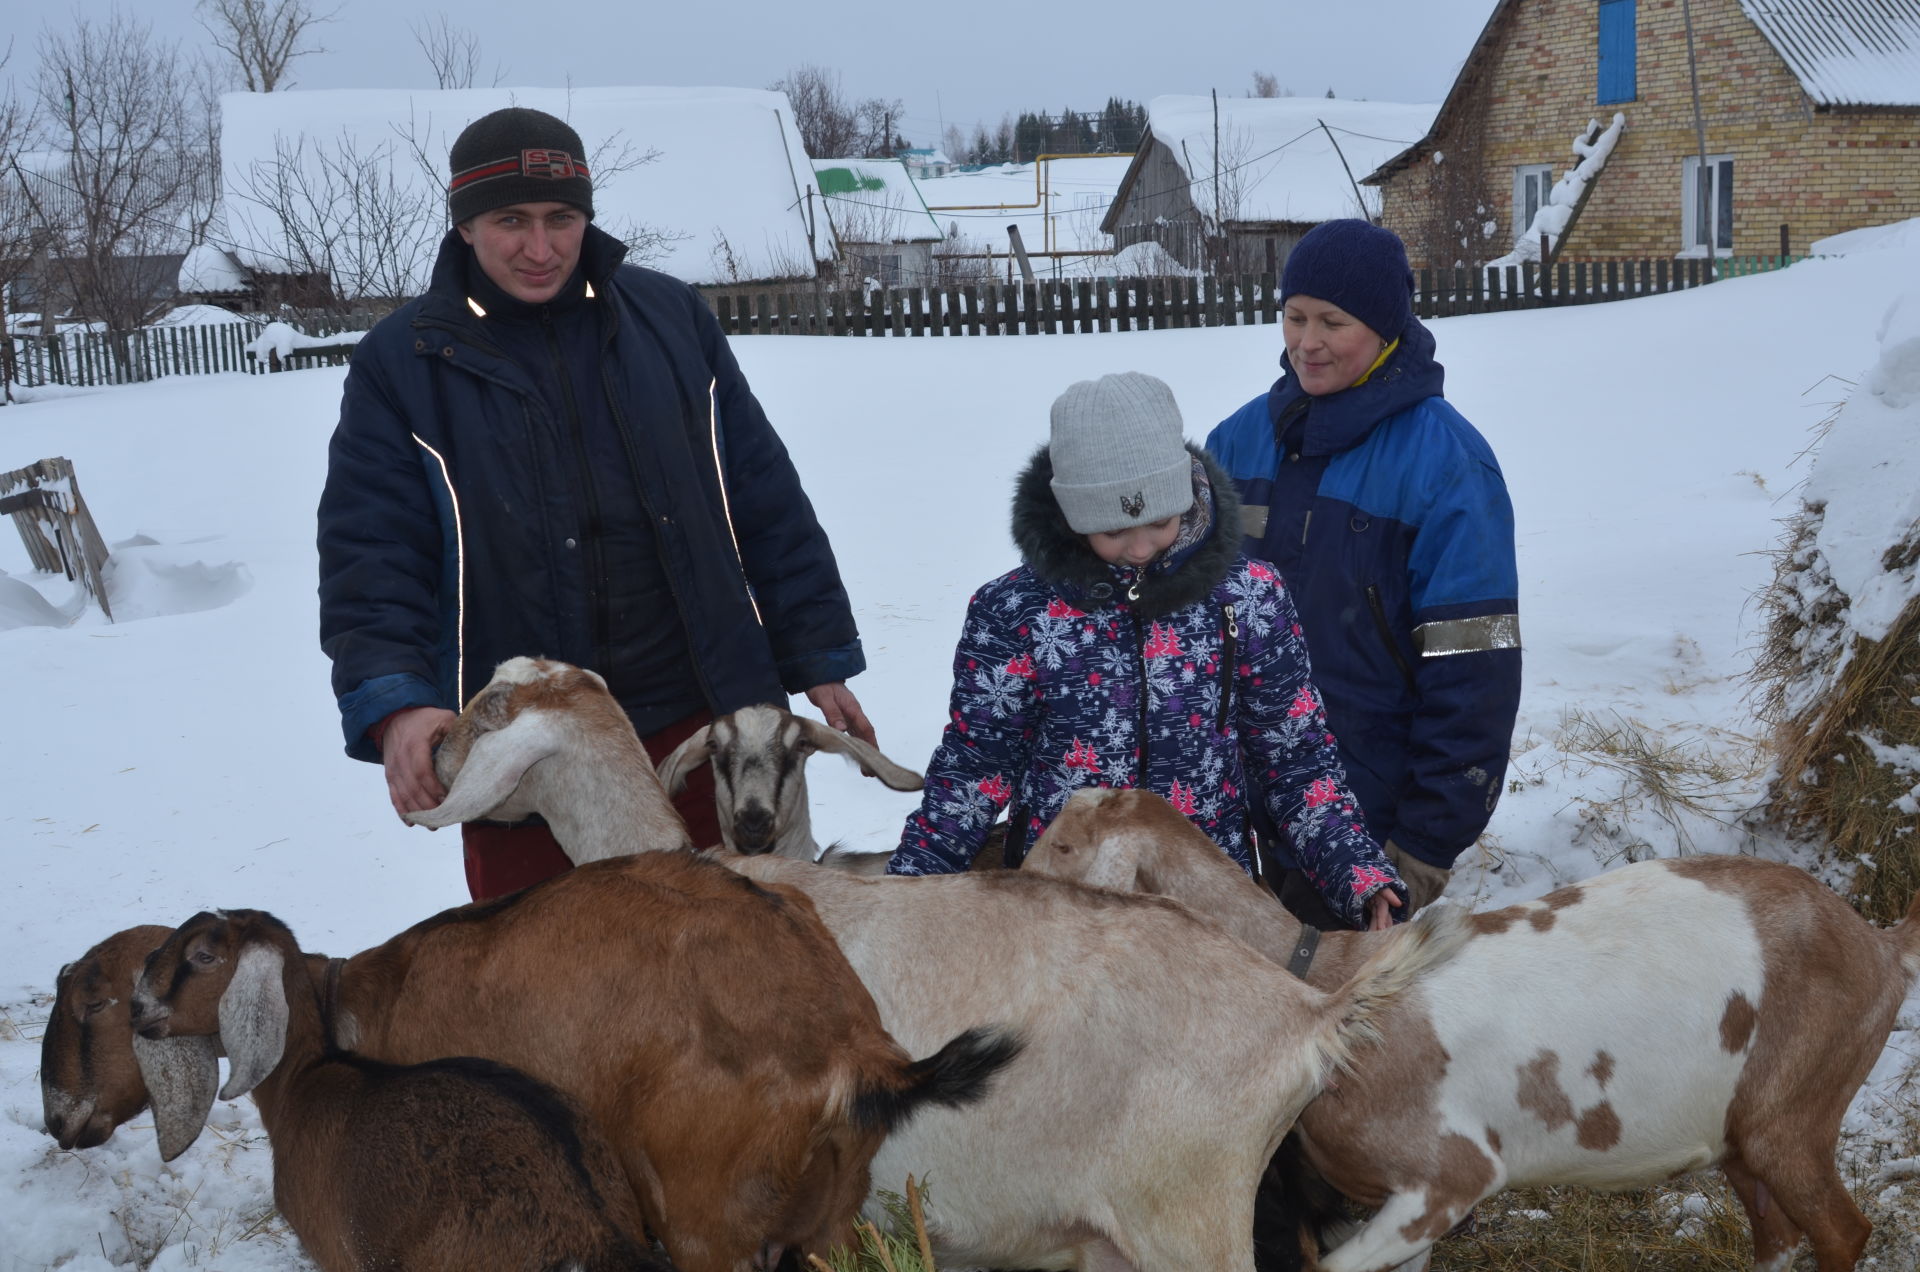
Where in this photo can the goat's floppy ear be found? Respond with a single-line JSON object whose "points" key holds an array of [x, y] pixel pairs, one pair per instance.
{"points": [[488, 709], [181, 1074], [495, 763], [868, 757], [686, 757], [253, 1019]]}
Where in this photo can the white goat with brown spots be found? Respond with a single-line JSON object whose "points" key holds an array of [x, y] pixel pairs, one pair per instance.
{"points": [[1655, 1020], [759, 756]]}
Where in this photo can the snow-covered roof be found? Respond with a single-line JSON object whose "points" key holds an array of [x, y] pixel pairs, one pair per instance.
{"points": [[1846, 52], [730, 166], [1277, 161], [875, 201], [208, 268], [1058, 204]]}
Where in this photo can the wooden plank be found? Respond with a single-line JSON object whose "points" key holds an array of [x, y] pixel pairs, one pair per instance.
{"points": [[1423, 296], [1103, 305], [1476, 294], [916, 311], [897, 309], [1269, 299], [955, 315], [972, 292]]}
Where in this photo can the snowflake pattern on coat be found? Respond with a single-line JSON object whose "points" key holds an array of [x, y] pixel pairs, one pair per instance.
{"points": [[1047, 699]]}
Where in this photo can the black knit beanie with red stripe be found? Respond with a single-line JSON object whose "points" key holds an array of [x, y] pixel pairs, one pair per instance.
{"points": [[517, 155]]}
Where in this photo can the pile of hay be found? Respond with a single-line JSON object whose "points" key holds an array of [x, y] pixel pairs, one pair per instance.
{"points": [[1839, 674]]}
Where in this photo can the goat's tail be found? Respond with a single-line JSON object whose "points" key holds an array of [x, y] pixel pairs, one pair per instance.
{"points": [[1433, 937], [956, 1075], [1906, 934]]}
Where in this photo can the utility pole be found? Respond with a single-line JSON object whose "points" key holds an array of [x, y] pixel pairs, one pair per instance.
{"points": [[1705, 176]]}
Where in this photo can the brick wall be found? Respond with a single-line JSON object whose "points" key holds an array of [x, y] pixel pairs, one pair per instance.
{"points": [[1820, 172]]}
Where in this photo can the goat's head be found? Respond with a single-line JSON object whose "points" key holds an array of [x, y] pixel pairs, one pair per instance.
{"points": [[1107, 838], [529, 712], [220, 976], [90, 1080], [759, 757]]}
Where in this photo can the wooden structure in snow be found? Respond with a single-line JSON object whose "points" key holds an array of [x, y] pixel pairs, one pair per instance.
{"points": [[44, 501]]}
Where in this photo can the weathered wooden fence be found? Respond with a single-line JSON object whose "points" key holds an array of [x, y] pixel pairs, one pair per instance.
{"points": [[1057, 306], [90, 358]]}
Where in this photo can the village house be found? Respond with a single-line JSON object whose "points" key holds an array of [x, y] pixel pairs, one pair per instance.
{"points": [[1810, 112], [882, 223], [1279, 167]]}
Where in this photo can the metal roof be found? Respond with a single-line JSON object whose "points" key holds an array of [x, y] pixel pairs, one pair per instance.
{"points": [[1846, 52]]}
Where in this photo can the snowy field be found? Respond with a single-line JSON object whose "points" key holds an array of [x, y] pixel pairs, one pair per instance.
{"points": [[188, 756]]}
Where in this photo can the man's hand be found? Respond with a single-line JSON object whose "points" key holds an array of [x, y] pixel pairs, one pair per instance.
{"points": [[842, 710], [1380, 908], [406, 749]]}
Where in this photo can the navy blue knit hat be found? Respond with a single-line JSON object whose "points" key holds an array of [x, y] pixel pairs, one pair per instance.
{"points": [[517, 155], [1360, 267]]}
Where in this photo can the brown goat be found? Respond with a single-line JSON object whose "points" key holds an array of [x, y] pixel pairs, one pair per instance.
{"points": [[91, 1079], [708, 1026], [1657, 1019], [442, 1166]]}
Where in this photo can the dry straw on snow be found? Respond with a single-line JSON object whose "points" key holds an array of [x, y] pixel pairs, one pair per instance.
{"points": [[1842, 706]]}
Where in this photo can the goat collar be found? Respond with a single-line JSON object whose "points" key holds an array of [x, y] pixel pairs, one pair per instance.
{"points": [[1304, 948]]}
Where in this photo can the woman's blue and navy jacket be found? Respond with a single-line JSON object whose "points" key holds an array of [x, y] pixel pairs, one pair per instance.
{"points": [[451, 525], [1386, 514]]}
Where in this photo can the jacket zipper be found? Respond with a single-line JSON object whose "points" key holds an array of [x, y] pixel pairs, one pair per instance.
{"points": [[1227, 652], [1386, 635], [1140, 648], [597, 573], [654, 520]]}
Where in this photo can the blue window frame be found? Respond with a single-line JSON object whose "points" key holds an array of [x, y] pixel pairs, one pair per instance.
{"points": [[1619, 81]]}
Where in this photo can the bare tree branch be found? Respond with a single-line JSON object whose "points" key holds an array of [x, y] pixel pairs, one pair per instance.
{"points": [[135, 184], [262, 36], [452, 51]]}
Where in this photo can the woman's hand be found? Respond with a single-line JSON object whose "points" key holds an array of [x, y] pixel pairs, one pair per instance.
{"points": [[1380, 908], [842, 710]]}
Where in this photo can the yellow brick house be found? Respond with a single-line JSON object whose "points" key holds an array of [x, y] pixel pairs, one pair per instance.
{"points": [[1810, 111]]}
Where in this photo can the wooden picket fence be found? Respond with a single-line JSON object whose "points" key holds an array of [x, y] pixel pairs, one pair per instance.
{"points": [[1058, 306], [92, 358]]}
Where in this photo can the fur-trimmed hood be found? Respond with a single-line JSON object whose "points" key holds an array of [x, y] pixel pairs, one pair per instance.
{"points": [[1199, 559]]}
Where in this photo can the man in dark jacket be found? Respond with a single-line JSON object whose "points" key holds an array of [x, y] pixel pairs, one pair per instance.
{"points": [[1387, 516], [552, 453]]}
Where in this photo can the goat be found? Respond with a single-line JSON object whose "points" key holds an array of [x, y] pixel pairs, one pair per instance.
{"points": [[1658, 1019], [534, 709], [92, 1079], [744, 1099], [441, 1166], [1162, 1060], [759, 756]]}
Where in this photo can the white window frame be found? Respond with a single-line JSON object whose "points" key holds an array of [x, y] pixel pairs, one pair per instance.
{"points": [[1721, 170], [1543, 172]]}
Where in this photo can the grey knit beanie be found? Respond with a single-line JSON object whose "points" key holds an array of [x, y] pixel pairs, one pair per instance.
{"points": [[517, 155], [1118, 457]]}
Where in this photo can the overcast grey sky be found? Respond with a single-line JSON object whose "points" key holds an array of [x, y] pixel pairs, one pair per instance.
{"points": [[960, 63]]}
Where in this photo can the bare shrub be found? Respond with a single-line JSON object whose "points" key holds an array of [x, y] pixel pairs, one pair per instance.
{"points": [[452, 51]]}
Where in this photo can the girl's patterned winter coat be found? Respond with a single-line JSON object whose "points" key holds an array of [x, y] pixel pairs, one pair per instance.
{"points": [[1189, 678]]}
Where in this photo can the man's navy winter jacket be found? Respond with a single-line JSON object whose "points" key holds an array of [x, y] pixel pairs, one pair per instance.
{"points": [[1386, 514], [452, 530]]}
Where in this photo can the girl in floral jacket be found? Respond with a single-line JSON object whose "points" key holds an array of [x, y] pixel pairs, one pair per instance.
{"points": [[1137, 647]]}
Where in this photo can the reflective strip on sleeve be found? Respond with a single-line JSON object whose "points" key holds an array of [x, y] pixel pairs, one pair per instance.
{"points": [[1467, 635]]}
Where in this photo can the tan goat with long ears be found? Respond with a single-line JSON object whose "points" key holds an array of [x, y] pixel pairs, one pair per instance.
{"points": [[759, 756], [1161, 1061], [391, 1166], [1662, 1018]]}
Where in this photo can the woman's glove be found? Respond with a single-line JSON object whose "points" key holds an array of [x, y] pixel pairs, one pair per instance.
{"points": [[1424, 883]]}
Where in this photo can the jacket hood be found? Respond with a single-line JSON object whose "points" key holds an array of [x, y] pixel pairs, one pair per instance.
{"points": [[1208, 546], [1340, 421]]}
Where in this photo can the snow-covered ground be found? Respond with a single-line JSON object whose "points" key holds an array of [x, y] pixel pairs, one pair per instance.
{"points": [[188, 756]]}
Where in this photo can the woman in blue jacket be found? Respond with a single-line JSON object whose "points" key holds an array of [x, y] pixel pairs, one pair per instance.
{"points": [[1385, 512]]}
